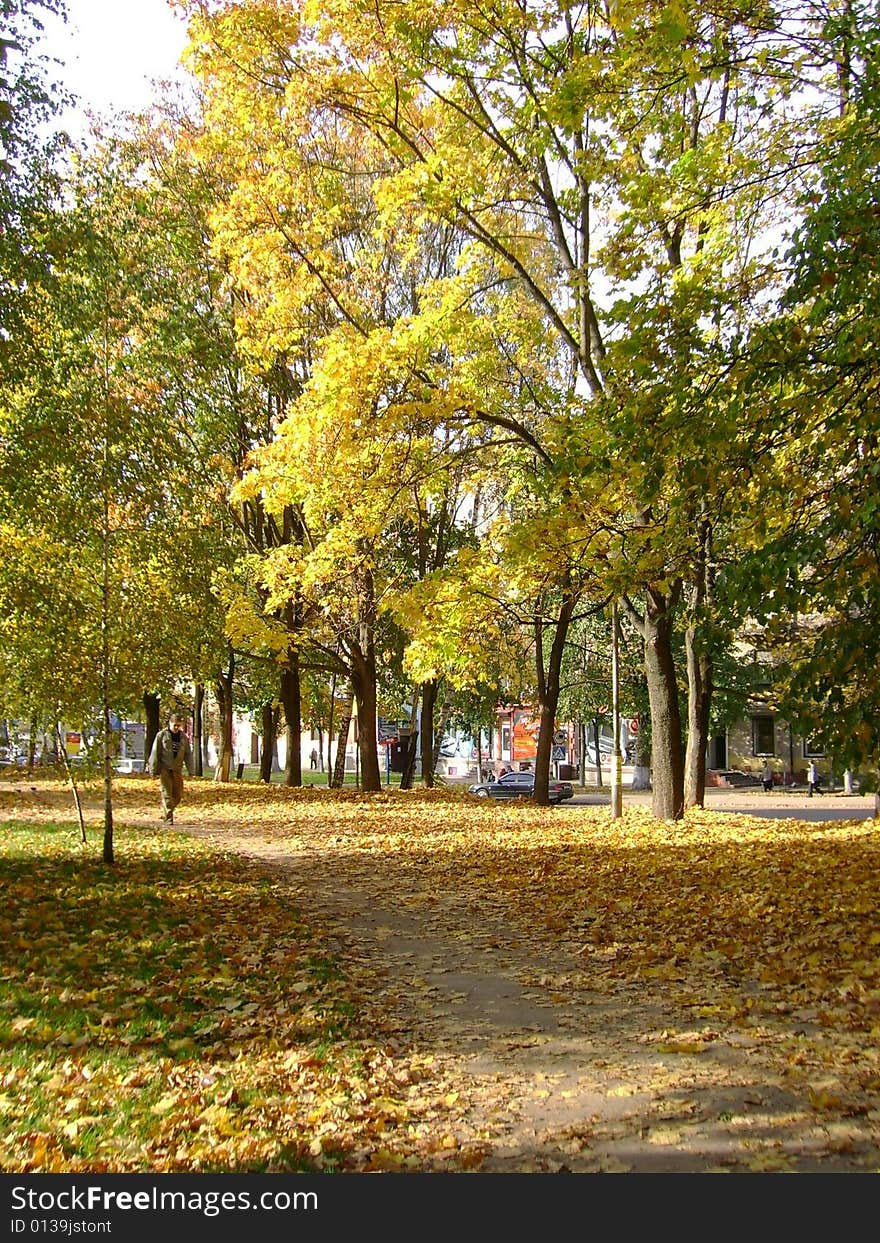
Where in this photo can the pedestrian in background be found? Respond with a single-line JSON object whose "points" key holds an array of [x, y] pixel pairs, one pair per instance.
{"points": [[170, 753], [812, 779], [767, 777]]}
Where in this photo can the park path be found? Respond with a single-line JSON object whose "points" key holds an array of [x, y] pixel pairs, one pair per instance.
{"points": [[555, 1076]]}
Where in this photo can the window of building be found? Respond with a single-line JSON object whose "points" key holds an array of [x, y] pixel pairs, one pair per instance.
{"points": [[813, 750], [763, 735]]}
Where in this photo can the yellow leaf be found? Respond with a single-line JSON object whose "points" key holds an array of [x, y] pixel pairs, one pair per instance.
{"points": [[385, 1160], [768, 1162], [471, 1158], [164, 1106], [178, 1046], [823, 1100]]}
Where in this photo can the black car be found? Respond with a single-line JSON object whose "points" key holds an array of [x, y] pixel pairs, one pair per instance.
{"points": [[520, 785]]}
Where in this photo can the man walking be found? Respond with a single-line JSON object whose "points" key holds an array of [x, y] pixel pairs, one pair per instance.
{"points": [[812, 779], [767, 777], [170, 752]]}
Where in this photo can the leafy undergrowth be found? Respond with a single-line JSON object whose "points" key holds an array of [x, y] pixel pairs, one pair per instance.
{"points": [[173, 1013]]}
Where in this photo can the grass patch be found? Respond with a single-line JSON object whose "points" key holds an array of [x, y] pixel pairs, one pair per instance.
{"points": [[170, 1013]]}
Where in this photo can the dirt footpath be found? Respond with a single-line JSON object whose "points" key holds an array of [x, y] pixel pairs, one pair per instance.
{"points": [[558, 1077]]}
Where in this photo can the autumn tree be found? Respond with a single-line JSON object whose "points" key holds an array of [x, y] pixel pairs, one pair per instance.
{"points": [[812, 581], [619, 169], [223, 404], [329, 284], [78, 478], [30, 171], [105, 439]]}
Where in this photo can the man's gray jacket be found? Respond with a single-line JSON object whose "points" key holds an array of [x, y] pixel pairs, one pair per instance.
{"points": [[162, 754]]}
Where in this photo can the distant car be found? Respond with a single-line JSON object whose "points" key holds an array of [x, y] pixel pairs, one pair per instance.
{"points": [[520, 785], [128, 764], [735, 777]]}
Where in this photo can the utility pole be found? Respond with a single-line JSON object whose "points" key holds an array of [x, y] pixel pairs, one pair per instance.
{"points": [[616, 761]]}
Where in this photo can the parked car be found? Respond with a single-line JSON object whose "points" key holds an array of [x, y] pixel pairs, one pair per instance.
{"points": [[520, 785], [735, 777], [129, 764]]}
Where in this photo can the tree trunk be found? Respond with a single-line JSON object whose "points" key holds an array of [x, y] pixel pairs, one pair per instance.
{"points": [[407, 776], [547, 718], [429, 702], [65, 758], [290, 701], [362, 667], [106, 614], [598, 752], [667, 750], [363, 680], [225, 706], [198, 728], [548, 694], [441, 724], [107, 731], [32, 746], [699, 666], [337, 779], [152, 708], [330, 715], [641, 764], [700, 671], [267, 721]]}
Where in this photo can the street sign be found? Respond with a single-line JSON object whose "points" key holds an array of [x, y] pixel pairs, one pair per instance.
{"points": [[559, 753]]}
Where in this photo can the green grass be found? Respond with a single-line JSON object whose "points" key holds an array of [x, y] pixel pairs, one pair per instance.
{"points": [[136, 999]]}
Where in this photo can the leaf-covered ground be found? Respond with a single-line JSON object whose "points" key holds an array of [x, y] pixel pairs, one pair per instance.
{"points": [[306, 980]]}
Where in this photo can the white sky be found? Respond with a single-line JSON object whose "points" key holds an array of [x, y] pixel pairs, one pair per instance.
{"points": [[113, 49]]}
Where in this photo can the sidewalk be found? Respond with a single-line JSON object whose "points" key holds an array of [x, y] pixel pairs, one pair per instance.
{"points": [[749, 798]]}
